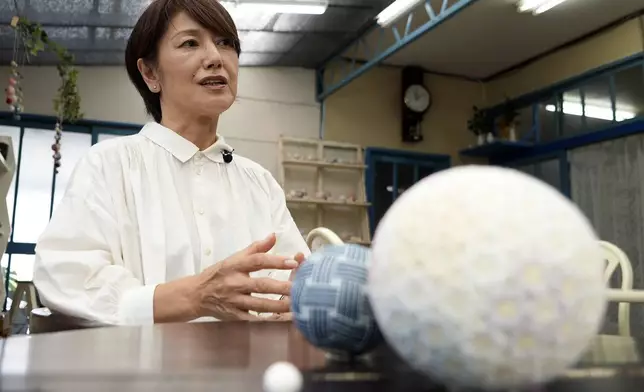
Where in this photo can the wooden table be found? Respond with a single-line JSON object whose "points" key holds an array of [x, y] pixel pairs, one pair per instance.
{"points": [[232, 357]]}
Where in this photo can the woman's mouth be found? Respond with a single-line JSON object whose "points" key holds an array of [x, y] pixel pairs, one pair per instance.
{"points": [[214, 82]]}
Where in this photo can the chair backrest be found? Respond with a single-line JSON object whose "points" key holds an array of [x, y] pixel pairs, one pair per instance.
{"points": [[615, 257], [321, 236]]}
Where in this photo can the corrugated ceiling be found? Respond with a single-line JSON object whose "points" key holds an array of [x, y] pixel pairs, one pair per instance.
{"points": [[96, 31]]}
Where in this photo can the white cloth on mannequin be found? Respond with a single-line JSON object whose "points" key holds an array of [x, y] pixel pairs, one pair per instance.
{"points": [[150, 208]]}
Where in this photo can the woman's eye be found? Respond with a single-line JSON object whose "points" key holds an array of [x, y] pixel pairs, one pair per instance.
{"points": [[189, 43], [225, 42]]}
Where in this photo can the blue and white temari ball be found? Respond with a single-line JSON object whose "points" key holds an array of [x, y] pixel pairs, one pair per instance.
{"points": [[487, 277], [329, 300]]}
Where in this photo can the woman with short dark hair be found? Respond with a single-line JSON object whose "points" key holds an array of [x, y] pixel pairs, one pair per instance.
{"points": [[168, 225]]}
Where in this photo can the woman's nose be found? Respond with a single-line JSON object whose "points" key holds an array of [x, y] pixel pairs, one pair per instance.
{"points": [[212, 57]]}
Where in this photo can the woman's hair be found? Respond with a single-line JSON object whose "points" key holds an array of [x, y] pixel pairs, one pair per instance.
{"points": [[153, 24]]}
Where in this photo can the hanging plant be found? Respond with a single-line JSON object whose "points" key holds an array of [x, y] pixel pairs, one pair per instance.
{"points": [[67, 100]]}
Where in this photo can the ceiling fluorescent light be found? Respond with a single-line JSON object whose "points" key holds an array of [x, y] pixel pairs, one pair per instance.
{"points": [[309, 7], [547, 6], [538, 6], [598, 112], [395, 11]]}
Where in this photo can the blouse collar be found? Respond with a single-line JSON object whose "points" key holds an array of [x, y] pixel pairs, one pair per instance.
{"points": [[182, 148]]}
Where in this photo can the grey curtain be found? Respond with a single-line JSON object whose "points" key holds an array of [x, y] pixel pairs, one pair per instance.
{"points": [[607, 183]]}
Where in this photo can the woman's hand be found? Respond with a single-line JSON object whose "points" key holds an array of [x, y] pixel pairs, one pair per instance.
{"points": [[286, 316], [224, 289]]}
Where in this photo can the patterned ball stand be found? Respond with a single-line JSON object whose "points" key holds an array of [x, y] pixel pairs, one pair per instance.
{"points": [[486, 277], [329, 298]]}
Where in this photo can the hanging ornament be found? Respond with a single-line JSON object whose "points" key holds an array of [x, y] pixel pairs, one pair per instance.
{"points": [[13, 91], [34, 40], [56, 146]]}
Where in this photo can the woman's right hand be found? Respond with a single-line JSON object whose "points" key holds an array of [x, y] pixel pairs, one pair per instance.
{"points": [[224, 289]]}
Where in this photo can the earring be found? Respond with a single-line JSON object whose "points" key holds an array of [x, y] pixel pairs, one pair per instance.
{"points": [[154, 87]]}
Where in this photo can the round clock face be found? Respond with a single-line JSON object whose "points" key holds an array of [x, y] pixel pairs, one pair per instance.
{"points": [[417, 98]]}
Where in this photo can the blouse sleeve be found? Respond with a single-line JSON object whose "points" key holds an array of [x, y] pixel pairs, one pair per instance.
{"points": [[289, 239], [78, 268]]}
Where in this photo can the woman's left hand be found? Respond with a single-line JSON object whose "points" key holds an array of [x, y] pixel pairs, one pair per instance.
{"points": [[286, 316]]}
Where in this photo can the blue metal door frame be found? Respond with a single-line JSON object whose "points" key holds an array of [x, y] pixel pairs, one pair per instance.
{"points": [[397, 157]]}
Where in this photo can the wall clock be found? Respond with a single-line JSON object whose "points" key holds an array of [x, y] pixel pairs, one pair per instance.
{"points": [[417, 98], [416, 101]]}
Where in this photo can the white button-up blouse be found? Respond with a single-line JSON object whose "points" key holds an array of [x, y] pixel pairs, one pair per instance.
{"points": [[151, 208]]}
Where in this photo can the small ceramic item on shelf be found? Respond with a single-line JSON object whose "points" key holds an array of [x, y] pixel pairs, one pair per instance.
{"points": [[310, 158], [297, 157], [342, 198], [320, 195]]}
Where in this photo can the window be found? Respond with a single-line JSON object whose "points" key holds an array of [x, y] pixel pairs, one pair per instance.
{"points": [[35, 185], [572, 121], [524, 122], [14, 133], [629, 92], [597, 104], [594, 104], [22, 266], [549, 119]]}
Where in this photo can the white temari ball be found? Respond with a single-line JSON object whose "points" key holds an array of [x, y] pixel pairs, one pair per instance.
{"points": [[487, 277]]}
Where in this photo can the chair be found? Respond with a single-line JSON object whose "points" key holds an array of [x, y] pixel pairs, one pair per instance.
{"points": [[25, 290], [320, 236], [615, 257]]}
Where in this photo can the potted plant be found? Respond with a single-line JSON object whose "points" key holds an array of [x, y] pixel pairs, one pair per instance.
{"points": [[508, 121], [479, 125]]}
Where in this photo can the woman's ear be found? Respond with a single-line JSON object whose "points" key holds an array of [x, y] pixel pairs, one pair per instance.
{"points": [[149, 75]]}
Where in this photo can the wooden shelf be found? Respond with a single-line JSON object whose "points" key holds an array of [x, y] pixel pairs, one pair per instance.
{"points": [[496, 148], [350, 166], [327, 202], [315, 173]]}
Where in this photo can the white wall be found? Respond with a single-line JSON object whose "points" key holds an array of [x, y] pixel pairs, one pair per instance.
{"points": [[271, 101]]}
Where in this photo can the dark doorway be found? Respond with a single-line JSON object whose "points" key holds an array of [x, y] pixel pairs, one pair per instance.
{"points": [[392, 172]]}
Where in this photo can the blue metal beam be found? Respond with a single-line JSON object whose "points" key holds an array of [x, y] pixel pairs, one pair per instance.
{"points": [[377, 55]]}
